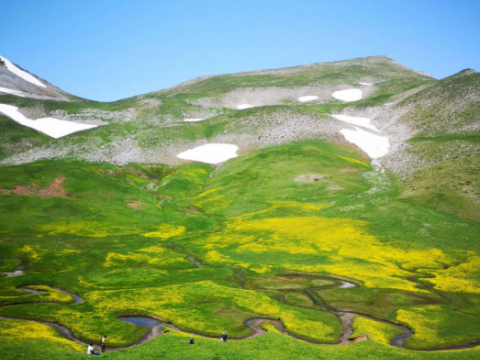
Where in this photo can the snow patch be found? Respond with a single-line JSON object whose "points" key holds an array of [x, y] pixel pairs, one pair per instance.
{"points": [[307, 98], [10, 91], [359, 121], [346, 285], [193, 120], [24, 75], [374, 145], [49, 126], [244, 106], [210, 153], [348, 95], [366, 84]]}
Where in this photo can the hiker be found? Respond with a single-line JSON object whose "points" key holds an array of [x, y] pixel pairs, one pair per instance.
{"points": [[191, 341], [91, 350], [224, 336], [102, 342]]}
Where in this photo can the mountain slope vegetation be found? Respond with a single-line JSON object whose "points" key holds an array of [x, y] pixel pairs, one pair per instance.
{"points": [[303, 235]]}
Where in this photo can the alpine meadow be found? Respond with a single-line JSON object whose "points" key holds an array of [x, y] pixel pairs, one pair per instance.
{"points": [[327, 211]]}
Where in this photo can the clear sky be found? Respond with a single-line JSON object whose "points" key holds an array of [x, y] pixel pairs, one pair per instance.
{"points": [[111, 49]]}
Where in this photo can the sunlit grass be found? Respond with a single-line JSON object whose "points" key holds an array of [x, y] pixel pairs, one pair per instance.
{"points": [[253, 220]]}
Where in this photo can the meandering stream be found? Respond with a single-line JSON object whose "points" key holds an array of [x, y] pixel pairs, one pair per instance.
{"points": [[19, 270], [156, 326]]}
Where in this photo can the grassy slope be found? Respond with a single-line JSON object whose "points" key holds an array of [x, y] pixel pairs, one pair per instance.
{"points": [[252, 216], [252, 220], [448, 143]]}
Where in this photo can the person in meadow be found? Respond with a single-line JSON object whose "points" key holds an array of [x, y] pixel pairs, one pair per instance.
{"points": [[102, 342], [191, 341], [224, 336], [91, 350]]}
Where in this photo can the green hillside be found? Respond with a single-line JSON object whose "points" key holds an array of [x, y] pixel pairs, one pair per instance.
{"points": [[301, 235]]}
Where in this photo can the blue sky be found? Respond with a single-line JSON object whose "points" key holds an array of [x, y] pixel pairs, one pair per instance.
{"points": [[111, 49]]}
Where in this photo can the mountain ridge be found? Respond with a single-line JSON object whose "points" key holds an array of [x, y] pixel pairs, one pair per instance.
{"points": [[248, 73], [400, 102]]}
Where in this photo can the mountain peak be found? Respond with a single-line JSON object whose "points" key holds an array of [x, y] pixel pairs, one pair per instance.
{"points": [[14, 80]]}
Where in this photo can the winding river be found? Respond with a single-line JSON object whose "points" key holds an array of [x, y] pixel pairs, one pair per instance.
{"points": [[157, 326]]}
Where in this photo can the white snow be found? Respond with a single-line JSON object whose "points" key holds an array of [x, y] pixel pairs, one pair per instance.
{"points": [[49, 126], [346, 285], [348, 95], [366, 84], [244, 106], [210, 153], [11, 91], [307, 98], [374, 145], [193, 119], [364, 122], [24, 75]]}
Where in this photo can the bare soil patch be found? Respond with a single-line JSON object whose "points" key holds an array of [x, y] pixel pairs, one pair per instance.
{"points": [[360, 339], [335, 188], [23, 190], [308, 178], [55, 188], [135, 204]]}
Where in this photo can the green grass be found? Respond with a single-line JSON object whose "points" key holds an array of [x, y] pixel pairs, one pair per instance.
{"points": [[208, 248], [379, 303], [15, 137], [124, 260], [9, 264], [449, 183], [174, 345]]}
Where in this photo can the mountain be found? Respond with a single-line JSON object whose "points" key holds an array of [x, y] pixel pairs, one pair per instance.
{"points": [[333, 202], [409, 108], [19, 82]]}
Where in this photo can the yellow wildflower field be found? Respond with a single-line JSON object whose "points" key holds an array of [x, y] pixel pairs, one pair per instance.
{"points": [[343, 246], [159, 256], [12, 330], [375, 330], [93, 229], [166, 231], [48, 295], [433, 327], [463, 278]]}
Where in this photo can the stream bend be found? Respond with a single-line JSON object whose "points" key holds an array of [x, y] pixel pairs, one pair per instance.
{"points": [[157, 326]]}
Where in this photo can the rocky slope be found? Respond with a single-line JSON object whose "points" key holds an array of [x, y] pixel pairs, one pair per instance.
{"points": [[433, 127], [19, 82]]}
